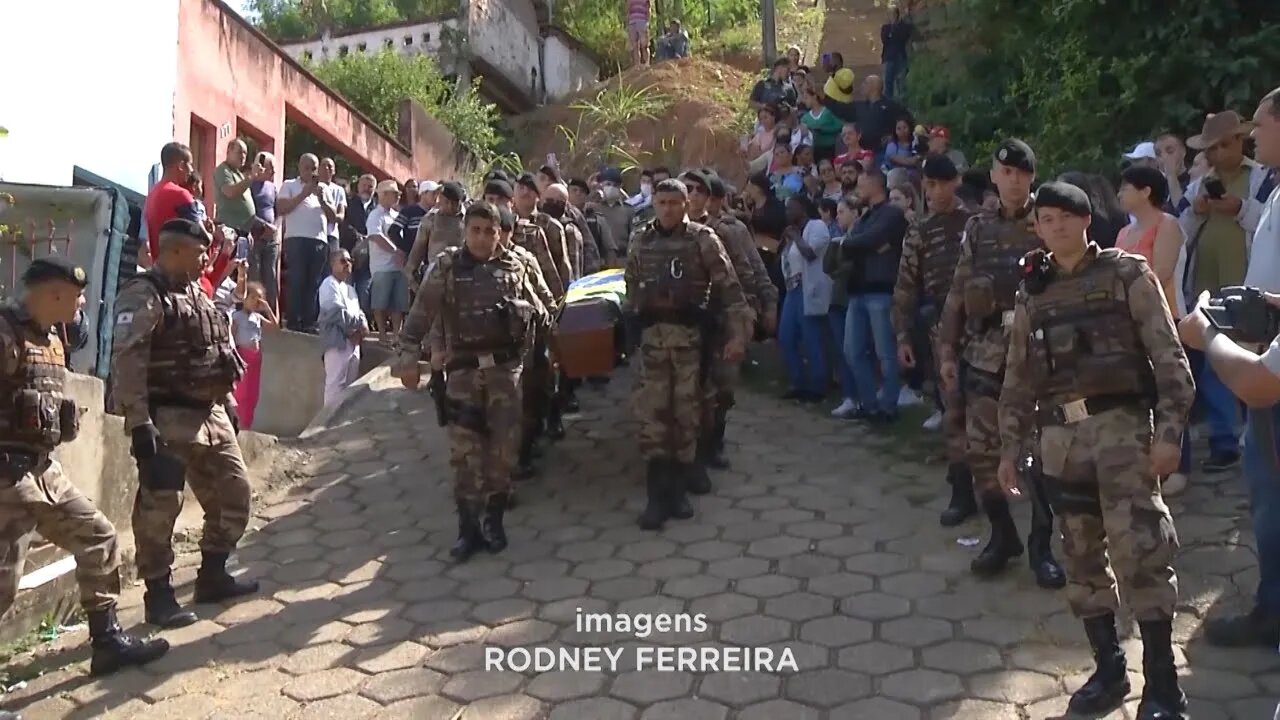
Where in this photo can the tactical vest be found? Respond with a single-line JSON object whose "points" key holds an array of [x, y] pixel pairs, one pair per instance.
{"points": [[486, 313], [33, 410], [192, 356], [674, 284], [940, 252], [996, 245], [1084, 342]]}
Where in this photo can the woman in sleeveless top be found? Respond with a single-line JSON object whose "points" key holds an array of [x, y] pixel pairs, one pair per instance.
{"points": [[1155, 235]]}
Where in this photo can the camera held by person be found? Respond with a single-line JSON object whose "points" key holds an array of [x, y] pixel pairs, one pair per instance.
{"points": [[1243, 314]]}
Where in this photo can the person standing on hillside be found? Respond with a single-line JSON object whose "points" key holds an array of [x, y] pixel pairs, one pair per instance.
{"points": [[895, 35], [638, 30]]}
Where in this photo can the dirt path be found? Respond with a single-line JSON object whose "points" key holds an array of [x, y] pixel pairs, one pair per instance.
{"points": [[852, 28]]}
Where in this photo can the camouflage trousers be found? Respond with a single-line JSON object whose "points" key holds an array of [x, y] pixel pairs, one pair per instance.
{"points": [[45, 501], [982, 427], [206, 444], [669, 400], [484, 429], [718, 395], [954, 431], [1114, 522]]}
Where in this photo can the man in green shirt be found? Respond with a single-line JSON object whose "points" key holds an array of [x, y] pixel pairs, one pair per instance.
{"points": [[233, 205]]}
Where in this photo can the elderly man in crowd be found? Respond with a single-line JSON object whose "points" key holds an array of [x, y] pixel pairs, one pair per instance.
{"points": [[304, 203], [342, 327]]}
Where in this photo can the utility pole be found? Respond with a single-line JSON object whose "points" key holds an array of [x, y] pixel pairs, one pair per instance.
{"points": [[767, 24]]}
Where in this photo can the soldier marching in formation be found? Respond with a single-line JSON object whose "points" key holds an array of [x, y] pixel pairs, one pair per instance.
{"points": [[680, 286], [1094, 360], [440, 229], [173, 367], [975, 325], [36, 416], [930, 253], [482, 297]]}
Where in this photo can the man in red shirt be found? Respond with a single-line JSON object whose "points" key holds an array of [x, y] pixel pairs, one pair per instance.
{"points": [[169, 199]]}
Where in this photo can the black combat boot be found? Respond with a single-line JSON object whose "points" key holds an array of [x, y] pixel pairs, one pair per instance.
{"points": [[555, 420], [963, 505], [215, 584], [657, 474], [1162, 699], [1004, 544], [113, 648], [1107, 687], [162, 608], [1049, 574], [677, 489], [470, 537], [696, 481], [715, 456], [524, 464], [491, 530]]}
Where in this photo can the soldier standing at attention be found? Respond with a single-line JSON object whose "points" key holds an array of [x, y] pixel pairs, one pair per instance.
{"points": [[173, 367], [35, 417], [929, 256], [975, 321], [673, 268], [1092, 353], [722, 377], [482, 296]]}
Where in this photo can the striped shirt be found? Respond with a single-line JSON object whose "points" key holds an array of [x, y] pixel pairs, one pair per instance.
{"points": [[637, 11]]}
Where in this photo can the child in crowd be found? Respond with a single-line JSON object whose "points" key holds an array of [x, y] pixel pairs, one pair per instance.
{"points": [[246, 328]]}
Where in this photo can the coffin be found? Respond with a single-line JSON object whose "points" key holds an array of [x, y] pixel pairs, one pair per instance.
{"points": [[587, 337]]}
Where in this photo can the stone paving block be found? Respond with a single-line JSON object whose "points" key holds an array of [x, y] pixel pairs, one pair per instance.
{"points": [[594, 708], [739, 688], [1014, 686], [953, 606], [420, 708], [500, 612], [749, 531], [391, 687], [778, 709], [916, 632], [343, 707], [381, 632], [738, 568], [1212, 684], [603, 569], [539, 569], [566, 685], [875, 708], [875, 606], [415, 591], [504, 707], [808, 565], [877, 564], [778, 547], [522, 633], [914, 585], [324, 684], [475, 684], [799, 606], [724, 606], [646, 687], [686, 709], [1002, 632], [648, 550], [840, 585], [710, 550], [836, 631], [876, 658], [962, 656], [457, 659], [925, 687], [316, 658], [490, 589], [827, 688], [385, 658], [669, 568], [978, 710], [765, 586], [553, 589], [755, 630]]}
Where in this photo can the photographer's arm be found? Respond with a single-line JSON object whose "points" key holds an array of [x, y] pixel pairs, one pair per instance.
{"points": [[1255, 379]]}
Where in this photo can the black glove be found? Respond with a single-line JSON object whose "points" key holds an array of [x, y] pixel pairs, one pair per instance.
{"points": [[146, 441], [234, 417]]}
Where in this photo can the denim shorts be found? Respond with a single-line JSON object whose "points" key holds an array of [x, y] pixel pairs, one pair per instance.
{"points": [[389, 292]]}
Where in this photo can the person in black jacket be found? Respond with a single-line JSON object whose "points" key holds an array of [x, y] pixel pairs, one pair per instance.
{"points": [[874, 245], [768, 220]]}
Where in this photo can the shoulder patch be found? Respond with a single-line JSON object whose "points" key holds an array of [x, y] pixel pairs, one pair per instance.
{"points": [[124, 318]]}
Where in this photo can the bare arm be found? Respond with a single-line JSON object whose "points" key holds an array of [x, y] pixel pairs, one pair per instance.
{"points": [[1164, 259]]}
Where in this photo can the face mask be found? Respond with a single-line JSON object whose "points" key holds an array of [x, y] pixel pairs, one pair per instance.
{"points": [[612, 193], [646, 189], [554, 208]]}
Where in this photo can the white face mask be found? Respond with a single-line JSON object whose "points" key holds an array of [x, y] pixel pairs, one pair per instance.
{"points": [[611, 192], [646, 189]]}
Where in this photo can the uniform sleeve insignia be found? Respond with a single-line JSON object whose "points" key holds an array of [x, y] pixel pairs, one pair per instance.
{"points": [[80, 276], [1003, 155], [124, 318]]}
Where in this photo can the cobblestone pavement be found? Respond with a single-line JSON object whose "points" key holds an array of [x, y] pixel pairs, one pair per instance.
{"points": [[820, 540]]}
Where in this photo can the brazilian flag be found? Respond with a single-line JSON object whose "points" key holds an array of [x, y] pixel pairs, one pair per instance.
{"points": [[607, 284]]}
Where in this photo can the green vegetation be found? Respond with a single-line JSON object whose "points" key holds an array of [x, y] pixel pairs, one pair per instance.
{"points": [[289, 20], [604, 119], [1082, 80]]}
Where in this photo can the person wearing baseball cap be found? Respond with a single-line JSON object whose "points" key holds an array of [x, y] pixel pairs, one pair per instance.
{"points": [[940, 144], [974, 328], [404, 231], [439, 229]]}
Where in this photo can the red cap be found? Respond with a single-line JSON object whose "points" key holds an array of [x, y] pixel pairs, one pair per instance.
{"points": [[940, 131]]}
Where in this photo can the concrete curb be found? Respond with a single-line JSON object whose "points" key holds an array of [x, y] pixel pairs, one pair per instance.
{"points": [[362, 386]]}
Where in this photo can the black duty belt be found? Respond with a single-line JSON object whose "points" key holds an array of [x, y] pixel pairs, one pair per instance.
{"points": [[1077, 410], [481, 361], [179, 402]]}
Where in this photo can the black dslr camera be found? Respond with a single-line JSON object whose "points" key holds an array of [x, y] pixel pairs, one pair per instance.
{"points": [[1243, 314]]}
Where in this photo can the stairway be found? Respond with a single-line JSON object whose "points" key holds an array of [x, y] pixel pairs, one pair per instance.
{"points": [[852, 28]]}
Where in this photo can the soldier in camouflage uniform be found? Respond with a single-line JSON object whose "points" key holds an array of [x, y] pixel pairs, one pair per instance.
{"points": [[173, 367], [588, 206], [35, 417], [555, 202], [674, 268], [440, 229], [975, 322], [1094, 360], [483, 296], [929, 256], [706, 192], [525, 202]]}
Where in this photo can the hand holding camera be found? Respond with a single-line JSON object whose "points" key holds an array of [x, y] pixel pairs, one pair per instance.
{"points": [[1244, 314]]}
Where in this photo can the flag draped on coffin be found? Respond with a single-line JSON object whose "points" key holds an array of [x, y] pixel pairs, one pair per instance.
{"points": [[607, 284]]}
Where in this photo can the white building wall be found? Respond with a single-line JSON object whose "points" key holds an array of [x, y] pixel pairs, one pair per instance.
{"points": [[500, 38], [421, 38], [568, 70], [100, 97]]}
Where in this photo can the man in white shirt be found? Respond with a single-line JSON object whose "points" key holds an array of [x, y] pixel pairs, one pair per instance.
{"points": [[389, 292], [342, 327], [305, 206], [337, 198]]}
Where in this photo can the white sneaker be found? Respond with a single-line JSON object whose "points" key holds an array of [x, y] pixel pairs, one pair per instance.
{"points": [[1173, 485], [907, 396], [934, 422], [845, 408]]}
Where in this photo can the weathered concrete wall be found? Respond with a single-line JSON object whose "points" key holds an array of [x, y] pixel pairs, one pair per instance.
{"points": [[99, 463], [409, 38], [504, 36], [570, 68]]}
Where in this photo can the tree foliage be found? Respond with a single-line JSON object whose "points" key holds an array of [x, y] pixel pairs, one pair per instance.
{"points": [[289, 20], [601, 24], [1083, 80]]}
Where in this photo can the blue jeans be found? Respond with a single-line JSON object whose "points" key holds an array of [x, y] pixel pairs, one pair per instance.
{"points": [[1262, 476], [1222, 409], [895, 72], [868, 330], [836, 318], [800, 337]]}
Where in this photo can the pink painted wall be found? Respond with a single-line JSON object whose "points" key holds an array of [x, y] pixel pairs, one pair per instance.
{"points": [[233, 80]]}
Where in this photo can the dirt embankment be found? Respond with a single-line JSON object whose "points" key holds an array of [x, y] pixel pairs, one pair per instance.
{"points": [[697, 118]]}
